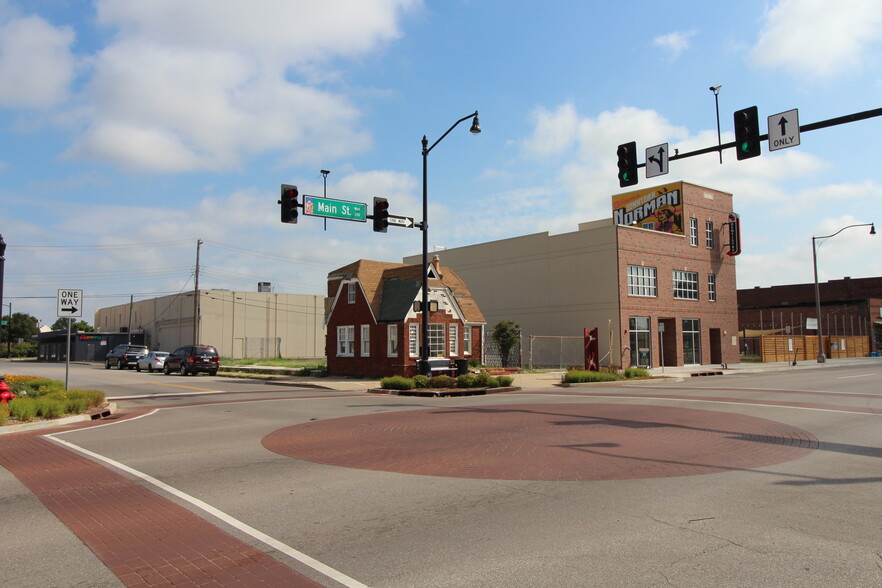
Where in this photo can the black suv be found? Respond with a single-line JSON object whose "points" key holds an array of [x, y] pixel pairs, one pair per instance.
{"points": [[191, 359], [124, 356]]}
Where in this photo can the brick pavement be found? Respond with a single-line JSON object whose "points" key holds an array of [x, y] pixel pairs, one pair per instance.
{"points": [[143, 538], [546, 442]]}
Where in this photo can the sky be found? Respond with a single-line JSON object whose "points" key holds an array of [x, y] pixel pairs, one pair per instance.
{"points": [[129, 130]]}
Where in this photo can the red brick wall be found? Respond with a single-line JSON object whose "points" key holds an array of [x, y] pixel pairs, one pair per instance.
{"points": [[668, 252]]}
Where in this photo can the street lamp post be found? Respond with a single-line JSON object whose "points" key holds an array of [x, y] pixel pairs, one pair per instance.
{"points": [[716, 90], [424, 227], [2, 269], [821, 357]]}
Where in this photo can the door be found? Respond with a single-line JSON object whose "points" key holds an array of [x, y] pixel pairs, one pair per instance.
{"points": [[691, 342]]}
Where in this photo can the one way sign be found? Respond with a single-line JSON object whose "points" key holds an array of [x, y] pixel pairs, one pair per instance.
{"points": [[70, 303]]}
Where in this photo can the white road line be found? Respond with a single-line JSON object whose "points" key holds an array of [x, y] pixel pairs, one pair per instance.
{"points": [[857, 376], [205, 507]]}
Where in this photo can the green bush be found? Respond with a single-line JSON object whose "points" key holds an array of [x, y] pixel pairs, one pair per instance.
{"points": [[4, 414], [36, 387], [582, 376], [420, 381], [474, 362], [505, 381], [636, 372], [23, 409], [442, 382], [397, 383], [49, 407], [467, 381], [485, 380], [90, 398]]}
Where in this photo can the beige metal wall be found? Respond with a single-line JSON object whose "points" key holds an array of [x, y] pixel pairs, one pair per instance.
{"points": [[549, 284], [238, 324]]}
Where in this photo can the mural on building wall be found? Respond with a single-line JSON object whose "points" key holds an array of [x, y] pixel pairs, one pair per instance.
{"points": [[658, 209]]}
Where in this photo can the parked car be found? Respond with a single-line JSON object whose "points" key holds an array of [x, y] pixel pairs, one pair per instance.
{"points": [[155, 360], [124, 356], [191, 359]]}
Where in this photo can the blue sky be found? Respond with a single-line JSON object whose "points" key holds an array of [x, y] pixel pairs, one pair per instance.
{"points": [[131, 129]]}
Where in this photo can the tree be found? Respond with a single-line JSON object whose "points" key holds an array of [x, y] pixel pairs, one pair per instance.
{"points": [[19, 326], [506, 334], [61, 325]]}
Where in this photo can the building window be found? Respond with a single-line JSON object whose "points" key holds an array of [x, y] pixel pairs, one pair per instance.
{"points": [[350, 295], [437, 343], [413, 339], [685, 285], [712, 287], [392, 340], [346, 341], [691, 342], [453, 338], [709, 234], [693, 232], [467, 340], [365, 340], [642, 281], [641, 342]]}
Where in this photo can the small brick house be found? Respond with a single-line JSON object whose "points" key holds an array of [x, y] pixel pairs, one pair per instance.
{"points": [[373, 325]]}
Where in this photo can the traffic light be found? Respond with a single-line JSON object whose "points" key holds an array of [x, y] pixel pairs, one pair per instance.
{"points": [[734, 234], [627, 153], [289, 203], [747, 141], [381, 214]]}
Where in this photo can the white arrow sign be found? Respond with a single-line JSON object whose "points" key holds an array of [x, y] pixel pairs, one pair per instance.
{"points": [[70, 303], [401, 221], [784, 130], [657, 160]]}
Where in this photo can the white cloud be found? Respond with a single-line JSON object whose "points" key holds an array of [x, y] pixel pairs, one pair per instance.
{"points": [[36, 65], [817, 38], [196, 85], [674, 43]]}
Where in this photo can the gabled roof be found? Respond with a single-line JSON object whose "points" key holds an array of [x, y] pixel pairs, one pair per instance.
{"points": [[391, 288]]}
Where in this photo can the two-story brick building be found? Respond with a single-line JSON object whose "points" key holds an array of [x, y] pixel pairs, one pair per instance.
{"points": [[373, 319], [656, 279]]}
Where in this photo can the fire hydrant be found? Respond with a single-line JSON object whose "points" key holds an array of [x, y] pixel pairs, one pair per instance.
{"points": [[5, 393]]}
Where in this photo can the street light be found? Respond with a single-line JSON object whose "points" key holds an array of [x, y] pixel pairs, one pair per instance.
{"points": [[716, 91], [821, 357], [2, 268], [424, 227]]}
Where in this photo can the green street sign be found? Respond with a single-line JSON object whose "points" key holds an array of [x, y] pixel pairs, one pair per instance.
{"points": [[338, 209]]}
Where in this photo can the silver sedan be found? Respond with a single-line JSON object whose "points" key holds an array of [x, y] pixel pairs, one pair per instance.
{"points": [[155, 360]]}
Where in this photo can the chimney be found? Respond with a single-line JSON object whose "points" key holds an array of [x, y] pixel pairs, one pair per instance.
{"points": [[436, 261]]}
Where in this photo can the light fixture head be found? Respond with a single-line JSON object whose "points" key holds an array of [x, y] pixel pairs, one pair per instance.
{"points": [[716, 88], [476, 126]]}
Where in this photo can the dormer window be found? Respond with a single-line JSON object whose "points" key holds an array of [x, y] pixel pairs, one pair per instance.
{"points": [[350, 295]]}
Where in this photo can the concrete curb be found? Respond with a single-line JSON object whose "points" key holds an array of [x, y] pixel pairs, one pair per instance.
{"points": [[444, 393], [55, 423]]}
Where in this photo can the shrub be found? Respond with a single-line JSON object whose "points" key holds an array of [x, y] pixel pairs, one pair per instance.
{"points": [[442, 382], [23, 409], [49, 407], [397, 383], [636, 372], [91, 398], [474, 362], [467, 381], [420, 381], [4, 414], [505, 381], [582, 376]]}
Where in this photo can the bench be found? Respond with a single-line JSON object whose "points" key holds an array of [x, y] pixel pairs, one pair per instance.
{"points": [[441, 366]]}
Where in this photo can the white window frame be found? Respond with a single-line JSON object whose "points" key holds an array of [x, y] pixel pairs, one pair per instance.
{"points": [[712, 287], [413, 339], [346, 341], [693, 232], [437, 339], [453, 339], [350, 293], [466, 339], [642, 281], [685, 285], [392, 340], [365, 340], [709, 234]]}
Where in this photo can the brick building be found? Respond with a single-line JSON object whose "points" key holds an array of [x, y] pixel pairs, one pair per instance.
{"points": [[373, 324], [849, 307], [656, 279]]}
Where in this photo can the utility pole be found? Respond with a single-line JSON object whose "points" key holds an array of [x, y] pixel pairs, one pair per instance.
{"points": [[131, 304], [196, 296]]}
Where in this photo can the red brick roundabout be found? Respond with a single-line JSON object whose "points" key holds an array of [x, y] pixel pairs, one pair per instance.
{"points": [[546, 442]]}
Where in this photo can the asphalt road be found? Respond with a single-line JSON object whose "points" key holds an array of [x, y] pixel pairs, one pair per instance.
{"points": [[768, 479]]}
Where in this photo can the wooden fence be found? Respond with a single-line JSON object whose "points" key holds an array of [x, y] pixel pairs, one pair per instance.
{"points": [[800, 347]]}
